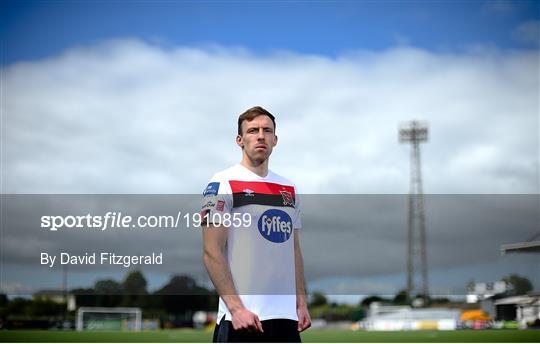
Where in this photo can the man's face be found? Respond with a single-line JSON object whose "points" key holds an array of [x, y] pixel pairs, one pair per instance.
{"points": [[258, 138]]}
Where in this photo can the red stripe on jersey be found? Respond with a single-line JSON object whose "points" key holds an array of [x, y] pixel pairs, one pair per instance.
{"points": [[238, 186]]}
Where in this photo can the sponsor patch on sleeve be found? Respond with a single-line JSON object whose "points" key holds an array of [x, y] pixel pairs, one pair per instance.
{"points": [[211, 189], [209, 203], [220, 205]]}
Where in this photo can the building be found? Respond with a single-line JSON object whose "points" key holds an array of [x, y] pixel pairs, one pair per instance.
{"points": [[523, 308], [482, 291], [396, 318], [56, 295]]}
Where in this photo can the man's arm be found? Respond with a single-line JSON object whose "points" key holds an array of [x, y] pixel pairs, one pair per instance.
{"points": [[304, 320], [214, 241]]}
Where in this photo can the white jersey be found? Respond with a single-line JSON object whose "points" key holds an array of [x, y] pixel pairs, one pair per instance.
{"points": [[263, 214]]}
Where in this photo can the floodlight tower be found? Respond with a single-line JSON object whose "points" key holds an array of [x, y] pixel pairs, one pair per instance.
{"points": [[415, 132]]}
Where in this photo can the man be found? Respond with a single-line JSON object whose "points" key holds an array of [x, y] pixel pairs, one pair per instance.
{"points": [[256, 268]]}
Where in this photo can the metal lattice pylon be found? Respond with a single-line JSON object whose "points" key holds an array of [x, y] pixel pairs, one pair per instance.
{"points": [[415, 132]]}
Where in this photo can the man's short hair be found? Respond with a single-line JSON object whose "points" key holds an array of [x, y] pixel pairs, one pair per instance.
{"points": [[250, 114]]}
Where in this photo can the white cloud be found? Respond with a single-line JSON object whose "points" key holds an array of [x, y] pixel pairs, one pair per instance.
{"points": [[128, 117]]}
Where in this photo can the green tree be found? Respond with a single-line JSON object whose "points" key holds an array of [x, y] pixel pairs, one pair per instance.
{"points": [[108, 286], [370, 299], [35, 308], [3, 300], [135, 283], [519, 285], [401, 298], [108, 293], [3, 306], [318, 299], [134, 287], [182, 295], [85, 297]]}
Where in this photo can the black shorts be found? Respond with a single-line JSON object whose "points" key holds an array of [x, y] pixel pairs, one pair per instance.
{"points": [[275, 330]]}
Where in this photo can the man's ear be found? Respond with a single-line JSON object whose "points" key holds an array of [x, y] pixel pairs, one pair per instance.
{"points": [[275, 140], [239, 141]]}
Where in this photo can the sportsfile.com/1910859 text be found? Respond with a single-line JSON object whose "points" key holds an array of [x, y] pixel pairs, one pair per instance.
{"points": [[117, 220]]}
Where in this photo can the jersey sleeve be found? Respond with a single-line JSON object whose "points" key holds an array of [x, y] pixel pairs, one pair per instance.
{"points": [[297, 220], [217, 199]]}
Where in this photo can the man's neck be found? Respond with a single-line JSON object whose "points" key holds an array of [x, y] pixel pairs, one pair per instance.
{"points": [[259, 169]]}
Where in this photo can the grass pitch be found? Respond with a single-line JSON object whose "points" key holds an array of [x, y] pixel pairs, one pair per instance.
{"points": [[318, 335]]}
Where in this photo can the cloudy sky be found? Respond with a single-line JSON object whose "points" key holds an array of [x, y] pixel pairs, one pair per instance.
{"points": [[140, 98]]}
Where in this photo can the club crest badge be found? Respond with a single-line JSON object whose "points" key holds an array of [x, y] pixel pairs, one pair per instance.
{"points": [[287, 197]]}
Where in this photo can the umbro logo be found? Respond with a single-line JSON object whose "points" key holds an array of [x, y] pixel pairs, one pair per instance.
{"points": [[248, 192]]}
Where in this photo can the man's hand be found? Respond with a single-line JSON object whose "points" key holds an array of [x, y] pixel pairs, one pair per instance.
{"points": [[243, 319], [304, 321]]}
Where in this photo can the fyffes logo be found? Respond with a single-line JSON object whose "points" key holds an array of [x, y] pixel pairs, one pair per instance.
{"points": [[275, 225]]}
